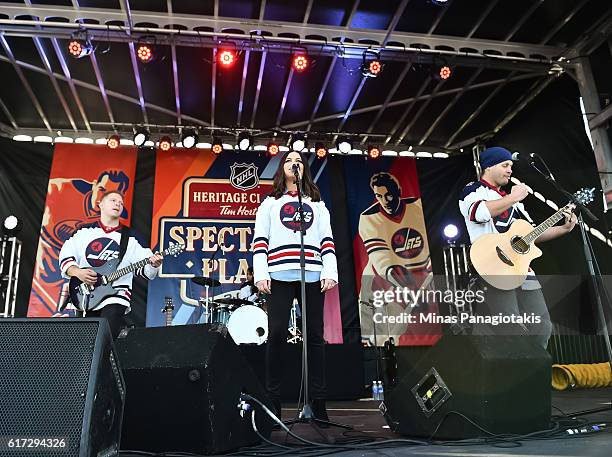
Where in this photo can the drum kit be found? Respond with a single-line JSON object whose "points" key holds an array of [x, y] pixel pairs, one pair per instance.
{"points": [[246, 320]]}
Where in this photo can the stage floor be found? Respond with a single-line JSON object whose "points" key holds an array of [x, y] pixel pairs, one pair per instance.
{"points": [[367, 422]]}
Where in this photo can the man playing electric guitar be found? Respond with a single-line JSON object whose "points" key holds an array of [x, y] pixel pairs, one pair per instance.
{"points": [[489, 210], [95, 244]]}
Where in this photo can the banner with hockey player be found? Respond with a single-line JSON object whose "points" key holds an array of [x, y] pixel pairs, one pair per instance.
{"points": [[391, 250]]}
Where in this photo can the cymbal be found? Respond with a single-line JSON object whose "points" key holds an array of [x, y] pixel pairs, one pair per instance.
{"points": [[205, 281], [233, 301]]}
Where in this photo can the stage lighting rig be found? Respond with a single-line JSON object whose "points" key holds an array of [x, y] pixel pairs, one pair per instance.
{"points": [[320, 150], [300, 61], [189, 138], [216, 146], [141, 136], [11, 226], [272, 149], [344, 145], [146, 49], [244, 141], [165, 143], [298, 142], [226, 57], [80, 44], [373, 152], [371, 65], [113, 141]]}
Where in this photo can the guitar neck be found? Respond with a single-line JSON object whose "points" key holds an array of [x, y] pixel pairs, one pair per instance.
{"points": [[536, 232], [130, 268]]}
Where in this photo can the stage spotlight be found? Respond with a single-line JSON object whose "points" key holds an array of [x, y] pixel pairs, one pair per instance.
{"points": [[216, 146], [145, 52], [373, 152], [244, 141], [371, 65], [320, 150], [165, 143], [441, 69], [189, 138], [344, 145], [272, 149], [80, 45], [11, 225], [141, 136], [300, 61], [298, 142], [113, 141], [226, 57], [450, 232]]}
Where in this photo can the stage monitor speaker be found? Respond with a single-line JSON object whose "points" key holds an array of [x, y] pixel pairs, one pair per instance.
{"points": [[501, 383], [184, 385], [61, 389]]}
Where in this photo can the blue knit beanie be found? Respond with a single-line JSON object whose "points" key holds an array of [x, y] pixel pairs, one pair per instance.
{"points": [[492, 156]]}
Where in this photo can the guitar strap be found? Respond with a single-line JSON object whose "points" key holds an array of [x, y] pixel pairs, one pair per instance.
{"points": [[125, 236]]}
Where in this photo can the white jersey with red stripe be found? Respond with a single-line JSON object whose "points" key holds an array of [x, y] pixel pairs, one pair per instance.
{"points": [[478, 219], [276, 242], [93, 245]]}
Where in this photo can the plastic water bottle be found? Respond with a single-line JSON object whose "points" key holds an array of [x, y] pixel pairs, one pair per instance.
{"points": [[375, 390], [381, 391]]}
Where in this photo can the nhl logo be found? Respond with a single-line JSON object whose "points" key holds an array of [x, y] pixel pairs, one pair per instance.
{"points": [[244, 176]]}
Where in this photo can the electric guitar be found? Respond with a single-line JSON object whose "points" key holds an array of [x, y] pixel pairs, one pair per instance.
{"points": [[167, 310], [503, 259], [87, 296]]}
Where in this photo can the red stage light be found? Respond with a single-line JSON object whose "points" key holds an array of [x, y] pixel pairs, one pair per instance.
{"points": [[272, 149], [145, 53], [375, 67], [75, 48], [300, 62], [113, 141], [217, 147], [226, 58], [165, 143], [320, 150], [373, 152], [445, 72]]}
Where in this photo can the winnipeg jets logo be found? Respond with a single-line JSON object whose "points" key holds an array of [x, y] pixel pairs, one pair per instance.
{"points": [[407, 243], [100, 251], [290, 217], [244, 176]]}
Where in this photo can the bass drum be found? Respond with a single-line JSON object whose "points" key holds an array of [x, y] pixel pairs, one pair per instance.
{"points": [[248, 325]]}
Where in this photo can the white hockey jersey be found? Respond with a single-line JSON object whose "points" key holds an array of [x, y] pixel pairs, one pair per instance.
{"points": [[276, 242], [93, 245]]}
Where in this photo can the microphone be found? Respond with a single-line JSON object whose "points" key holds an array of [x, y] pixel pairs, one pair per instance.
{"points": [[295, 168], [518, 156]]}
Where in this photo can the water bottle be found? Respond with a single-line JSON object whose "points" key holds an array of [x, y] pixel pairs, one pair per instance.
{"points": [[381, 391], [375, 390]]}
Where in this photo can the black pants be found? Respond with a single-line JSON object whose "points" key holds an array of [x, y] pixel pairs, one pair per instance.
{"points": [[113, 314], [279, 310]]}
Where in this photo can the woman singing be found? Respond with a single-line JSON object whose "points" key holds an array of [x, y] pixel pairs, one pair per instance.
{"points": [[276, 261]]}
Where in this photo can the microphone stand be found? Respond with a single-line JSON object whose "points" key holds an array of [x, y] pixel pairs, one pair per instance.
{"points": [[211, 264], [306, 415], [593, 267]]}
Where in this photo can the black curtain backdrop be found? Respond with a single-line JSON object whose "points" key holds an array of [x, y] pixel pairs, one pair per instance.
{"points": [[551, 126]]}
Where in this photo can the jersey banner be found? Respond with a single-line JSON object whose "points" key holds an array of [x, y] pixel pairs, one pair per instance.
{"points": [[208, 203], [391, 251], [80, 174]]}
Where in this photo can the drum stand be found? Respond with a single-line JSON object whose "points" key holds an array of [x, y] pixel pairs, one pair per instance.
{"points": [[295, 336]]}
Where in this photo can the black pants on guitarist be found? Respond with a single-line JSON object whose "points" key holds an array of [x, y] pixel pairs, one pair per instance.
{"points": [[113, 313]]}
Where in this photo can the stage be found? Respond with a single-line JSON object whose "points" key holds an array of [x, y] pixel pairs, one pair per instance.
{"points": [[369, 426]]}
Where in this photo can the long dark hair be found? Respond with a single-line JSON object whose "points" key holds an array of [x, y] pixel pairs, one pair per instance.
{"points": [[310, 189]]}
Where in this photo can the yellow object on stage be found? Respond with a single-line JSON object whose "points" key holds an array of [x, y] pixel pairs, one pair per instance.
{"points": [[583, 375]]}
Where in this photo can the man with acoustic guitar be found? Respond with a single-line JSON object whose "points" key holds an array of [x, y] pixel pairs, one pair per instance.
{"points": [[95, 244], [487, 209]]}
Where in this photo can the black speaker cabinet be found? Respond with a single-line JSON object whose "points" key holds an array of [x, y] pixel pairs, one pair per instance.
{"points": [[61, 389], [184, 385], [501, 383]]}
